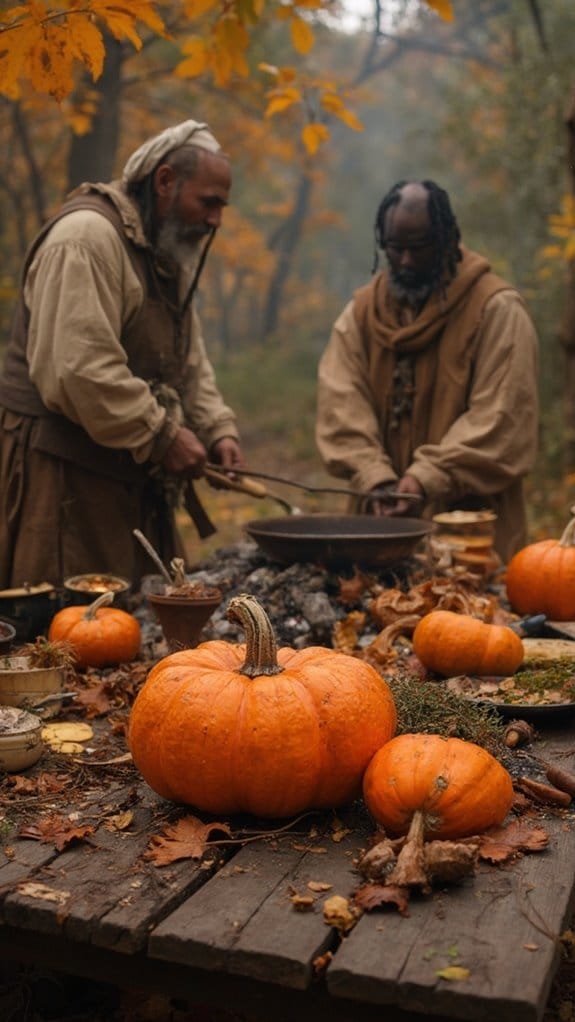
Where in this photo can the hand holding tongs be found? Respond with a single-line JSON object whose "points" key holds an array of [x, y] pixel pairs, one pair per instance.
{"points": [[248, 485]]}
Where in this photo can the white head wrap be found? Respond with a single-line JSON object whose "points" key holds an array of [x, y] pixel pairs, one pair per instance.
{"points": [[151, 152]]}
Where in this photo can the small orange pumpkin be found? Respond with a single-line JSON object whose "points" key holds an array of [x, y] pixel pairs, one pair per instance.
{"points": [[231, 728], [100, 636], [540, 578], [450, 644], [458, 787]]}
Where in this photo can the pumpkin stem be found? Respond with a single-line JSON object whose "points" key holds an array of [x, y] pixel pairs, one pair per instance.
{"points": [[568, 537], [410, 866], [102, 601], [261, 648]]}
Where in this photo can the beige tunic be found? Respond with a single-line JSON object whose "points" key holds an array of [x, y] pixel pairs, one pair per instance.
{"points": [[485, 452], [81, 290]]}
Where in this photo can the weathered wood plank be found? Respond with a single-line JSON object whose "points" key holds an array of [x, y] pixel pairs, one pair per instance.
{"points": [[103, 892], [243, 920], [502, 926]]}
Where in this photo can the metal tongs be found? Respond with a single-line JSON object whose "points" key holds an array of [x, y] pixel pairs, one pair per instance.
{"points": [[247, 484]]}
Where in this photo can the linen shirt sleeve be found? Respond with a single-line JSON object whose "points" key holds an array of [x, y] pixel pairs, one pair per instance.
{"points": [[494, 442], [80, 290], [347, 429]]}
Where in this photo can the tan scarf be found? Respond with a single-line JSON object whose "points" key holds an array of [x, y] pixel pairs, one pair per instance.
{"points": [[419, 373]]}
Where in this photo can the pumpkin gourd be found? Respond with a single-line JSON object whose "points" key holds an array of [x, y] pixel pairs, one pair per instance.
{"points": [[100, 636], [540, 578], [450, 644], [457, 787], [228, 727]]}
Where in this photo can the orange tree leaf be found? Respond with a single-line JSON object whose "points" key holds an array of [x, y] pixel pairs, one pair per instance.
{"points": [[441, 7], [186, 839], [302, 36], [195, 8], [121, 17], [88, 44], [197, 58], [313, 135]]}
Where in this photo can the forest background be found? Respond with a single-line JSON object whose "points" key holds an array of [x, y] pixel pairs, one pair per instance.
{"points": [[322, 107]]}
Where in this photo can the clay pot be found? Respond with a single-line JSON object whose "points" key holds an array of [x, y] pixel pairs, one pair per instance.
{"points": [[182, 618]]}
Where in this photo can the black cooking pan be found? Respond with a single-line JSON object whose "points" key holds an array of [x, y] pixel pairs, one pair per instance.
{"points": [[339, 540]]}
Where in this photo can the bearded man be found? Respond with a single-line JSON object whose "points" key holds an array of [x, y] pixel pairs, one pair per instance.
{"points": [[108, 402], [428, 385]]}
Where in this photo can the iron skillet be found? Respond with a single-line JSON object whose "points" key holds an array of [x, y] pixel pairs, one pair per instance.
{"points": [[339, 540]]}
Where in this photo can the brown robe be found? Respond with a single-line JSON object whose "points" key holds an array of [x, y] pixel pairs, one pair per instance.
{"points": [[449, 398], [82, 431]]}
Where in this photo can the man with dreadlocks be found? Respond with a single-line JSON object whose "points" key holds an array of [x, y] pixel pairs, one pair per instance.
{"points": [[428, 385], [108, 403]]}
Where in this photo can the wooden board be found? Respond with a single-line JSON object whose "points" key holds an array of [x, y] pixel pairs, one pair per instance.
{"points": [[503, 927], [243, 921]]}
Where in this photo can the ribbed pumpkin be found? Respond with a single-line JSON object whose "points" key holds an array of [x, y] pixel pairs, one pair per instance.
{"points": [[458, 787], [540, 578], [451, 644], [229, 728], [100, 636]]}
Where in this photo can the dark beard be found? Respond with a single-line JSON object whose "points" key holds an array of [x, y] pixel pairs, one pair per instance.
{"points": [[414, 292]]}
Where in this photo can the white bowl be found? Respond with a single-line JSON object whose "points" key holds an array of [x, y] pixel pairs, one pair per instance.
{"points": [[21, 742]]}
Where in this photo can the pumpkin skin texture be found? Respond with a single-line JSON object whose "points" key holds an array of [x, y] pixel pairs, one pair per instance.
{"points": [[451, 644], [540, 578], [231, 728], [100, 636], [458, 787]]}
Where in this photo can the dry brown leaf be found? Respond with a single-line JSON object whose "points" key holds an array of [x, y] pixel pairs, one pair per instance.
{"points": [[352, 589], [302, 902], [340, 913], [501, 843], [55, 830], [346, 632], [370, 896], [120, 822], [186, 839], [95, 699], [321, 963], [316, 885]]}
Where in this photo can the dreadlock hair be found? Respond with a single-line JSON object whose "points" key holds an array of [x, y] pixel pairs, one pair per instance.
{"points": [[444, 228]]}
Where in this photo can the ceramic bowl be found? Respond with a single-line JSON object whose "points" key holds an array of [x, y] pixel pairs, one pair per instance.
{"points": [[23, 686], [84, 589], [21, 743], [7, 636]]}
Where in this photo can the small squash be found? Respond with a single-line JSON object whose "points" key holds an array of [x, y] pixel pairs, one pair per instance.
{"points": [[450, 644], [540, 578], [100, 636], [456, 787], [231, 728]]}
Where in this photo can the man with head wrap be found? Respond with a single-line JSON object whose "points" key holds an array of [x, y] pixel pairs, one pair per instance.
{"points": [[428, 385], [108, 402]]}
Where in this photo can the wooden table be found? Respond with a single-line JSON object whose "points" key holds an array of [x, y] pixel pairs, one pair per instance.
{"points": [[224, 930]]}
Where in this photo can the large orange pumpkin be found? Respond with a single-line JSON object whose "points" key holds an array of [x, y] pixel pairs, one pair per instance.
{"points": [[457, 786], [540, 578], [230, 728], [450, 644], [100, 636]]}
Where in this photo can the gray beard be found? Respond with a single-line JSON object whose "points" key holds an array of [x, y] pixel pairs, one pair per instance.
{"points": [[172, 247], [415, 297]]}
